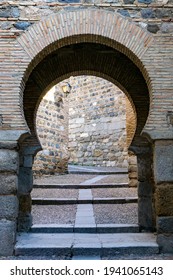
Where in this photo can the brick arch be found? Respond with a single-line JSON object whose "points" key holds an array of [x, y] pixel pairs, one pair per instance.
{"points": [[87, 58], [79, 26], [92, 25]]}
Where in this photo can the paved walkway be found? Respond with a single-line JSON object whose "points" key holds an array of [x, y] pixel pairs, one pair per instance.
{"points": [[94, 214], [76, 169]]}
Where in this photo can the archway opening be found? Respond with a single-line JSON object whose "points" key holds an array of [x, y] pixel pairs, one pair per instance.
{"points": [[86, 59], [85, 125]]}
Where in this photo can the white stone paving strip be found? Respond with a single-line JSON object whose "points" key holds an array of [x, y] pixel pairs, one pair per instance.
{"points": [[85, 212], [85, 168], [93, 180]]}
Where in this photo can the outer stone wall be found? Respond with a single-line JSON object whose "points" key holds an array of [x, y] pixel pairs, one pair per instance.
{"points": [[87, 128], [97, 123], [52, 129], [153, 15]]}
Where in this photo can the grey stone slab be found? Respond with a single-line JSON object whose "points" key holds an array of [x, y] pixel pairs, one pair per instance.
{"points": [[87, 220], [145, 213], [12, 135], [86, 251], [128, 239], [8, 207], [25, 179], [85, 228], [117, 228], [163, 164], [7, 240], [86, 244], [165, 242], [86, 257], [9, 160], [44, 240], [52, 228], [165, 224], [8, 183], [145, 189]]}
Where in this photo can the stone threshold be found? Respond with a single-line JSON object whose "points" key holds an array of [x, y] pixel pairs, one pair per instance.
{"points": [[71, 244], [60, 201], [84, 228], [79, 186]]}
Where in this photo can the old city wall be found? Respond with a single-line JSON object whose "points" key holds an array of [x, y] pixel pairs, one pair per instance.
{"points": [[52, 129], [88, 127], [97, 123]]}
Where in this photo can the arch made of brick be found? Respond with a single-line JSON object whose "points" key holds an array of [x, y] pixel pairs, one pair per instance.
{"points": [[73, 27]]}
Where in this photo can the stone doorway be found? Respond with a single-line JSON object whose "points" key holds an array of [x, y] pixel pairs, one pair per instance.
{"points": [[110, 53]]}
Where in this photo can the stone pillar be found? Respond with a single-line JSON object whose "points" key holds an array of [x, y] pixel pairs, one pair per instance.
{"points": [[163, 176], [146, 207], [25, 187], [9, 163]]}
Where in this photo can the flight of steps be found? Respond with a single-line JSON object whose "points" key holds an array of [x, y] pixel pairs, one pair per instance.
{"points": [[84, 238]]}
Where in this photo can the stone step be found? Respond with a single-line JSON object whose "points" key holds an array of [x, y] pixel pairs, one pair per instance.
{"points": [[69, 245], [61, 201], [80, 186], [83, 172], [99, 228]]}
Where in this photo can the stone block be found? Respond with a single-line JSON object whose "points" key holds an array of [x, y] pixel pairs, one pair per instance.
{"points": [[163, 163], [9, 160], [9, 12], [25, 203], [144, 189], [25, 179], [165, 242], [28, 161], [147, 13], [7, 240], [23, 25], [144, 167], [8, 207], [165, 224], [24, 221], [153, 28], [167, 27], [145, 213], [164, 200], [133, 183], [8, 183]]}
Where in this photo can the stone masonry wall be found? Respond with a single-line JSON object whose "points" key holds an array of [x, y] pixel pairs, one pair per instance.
{"points": [[87, 127], [130, 128], [154, 15], [52, 129], [97, 123]]}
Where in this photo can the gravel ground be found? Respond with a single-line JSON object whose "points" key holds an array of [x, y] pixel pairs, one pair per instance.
{"points": [[49, 214], [63, 179], [112, 192], [116, 213], [53, 193]]}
